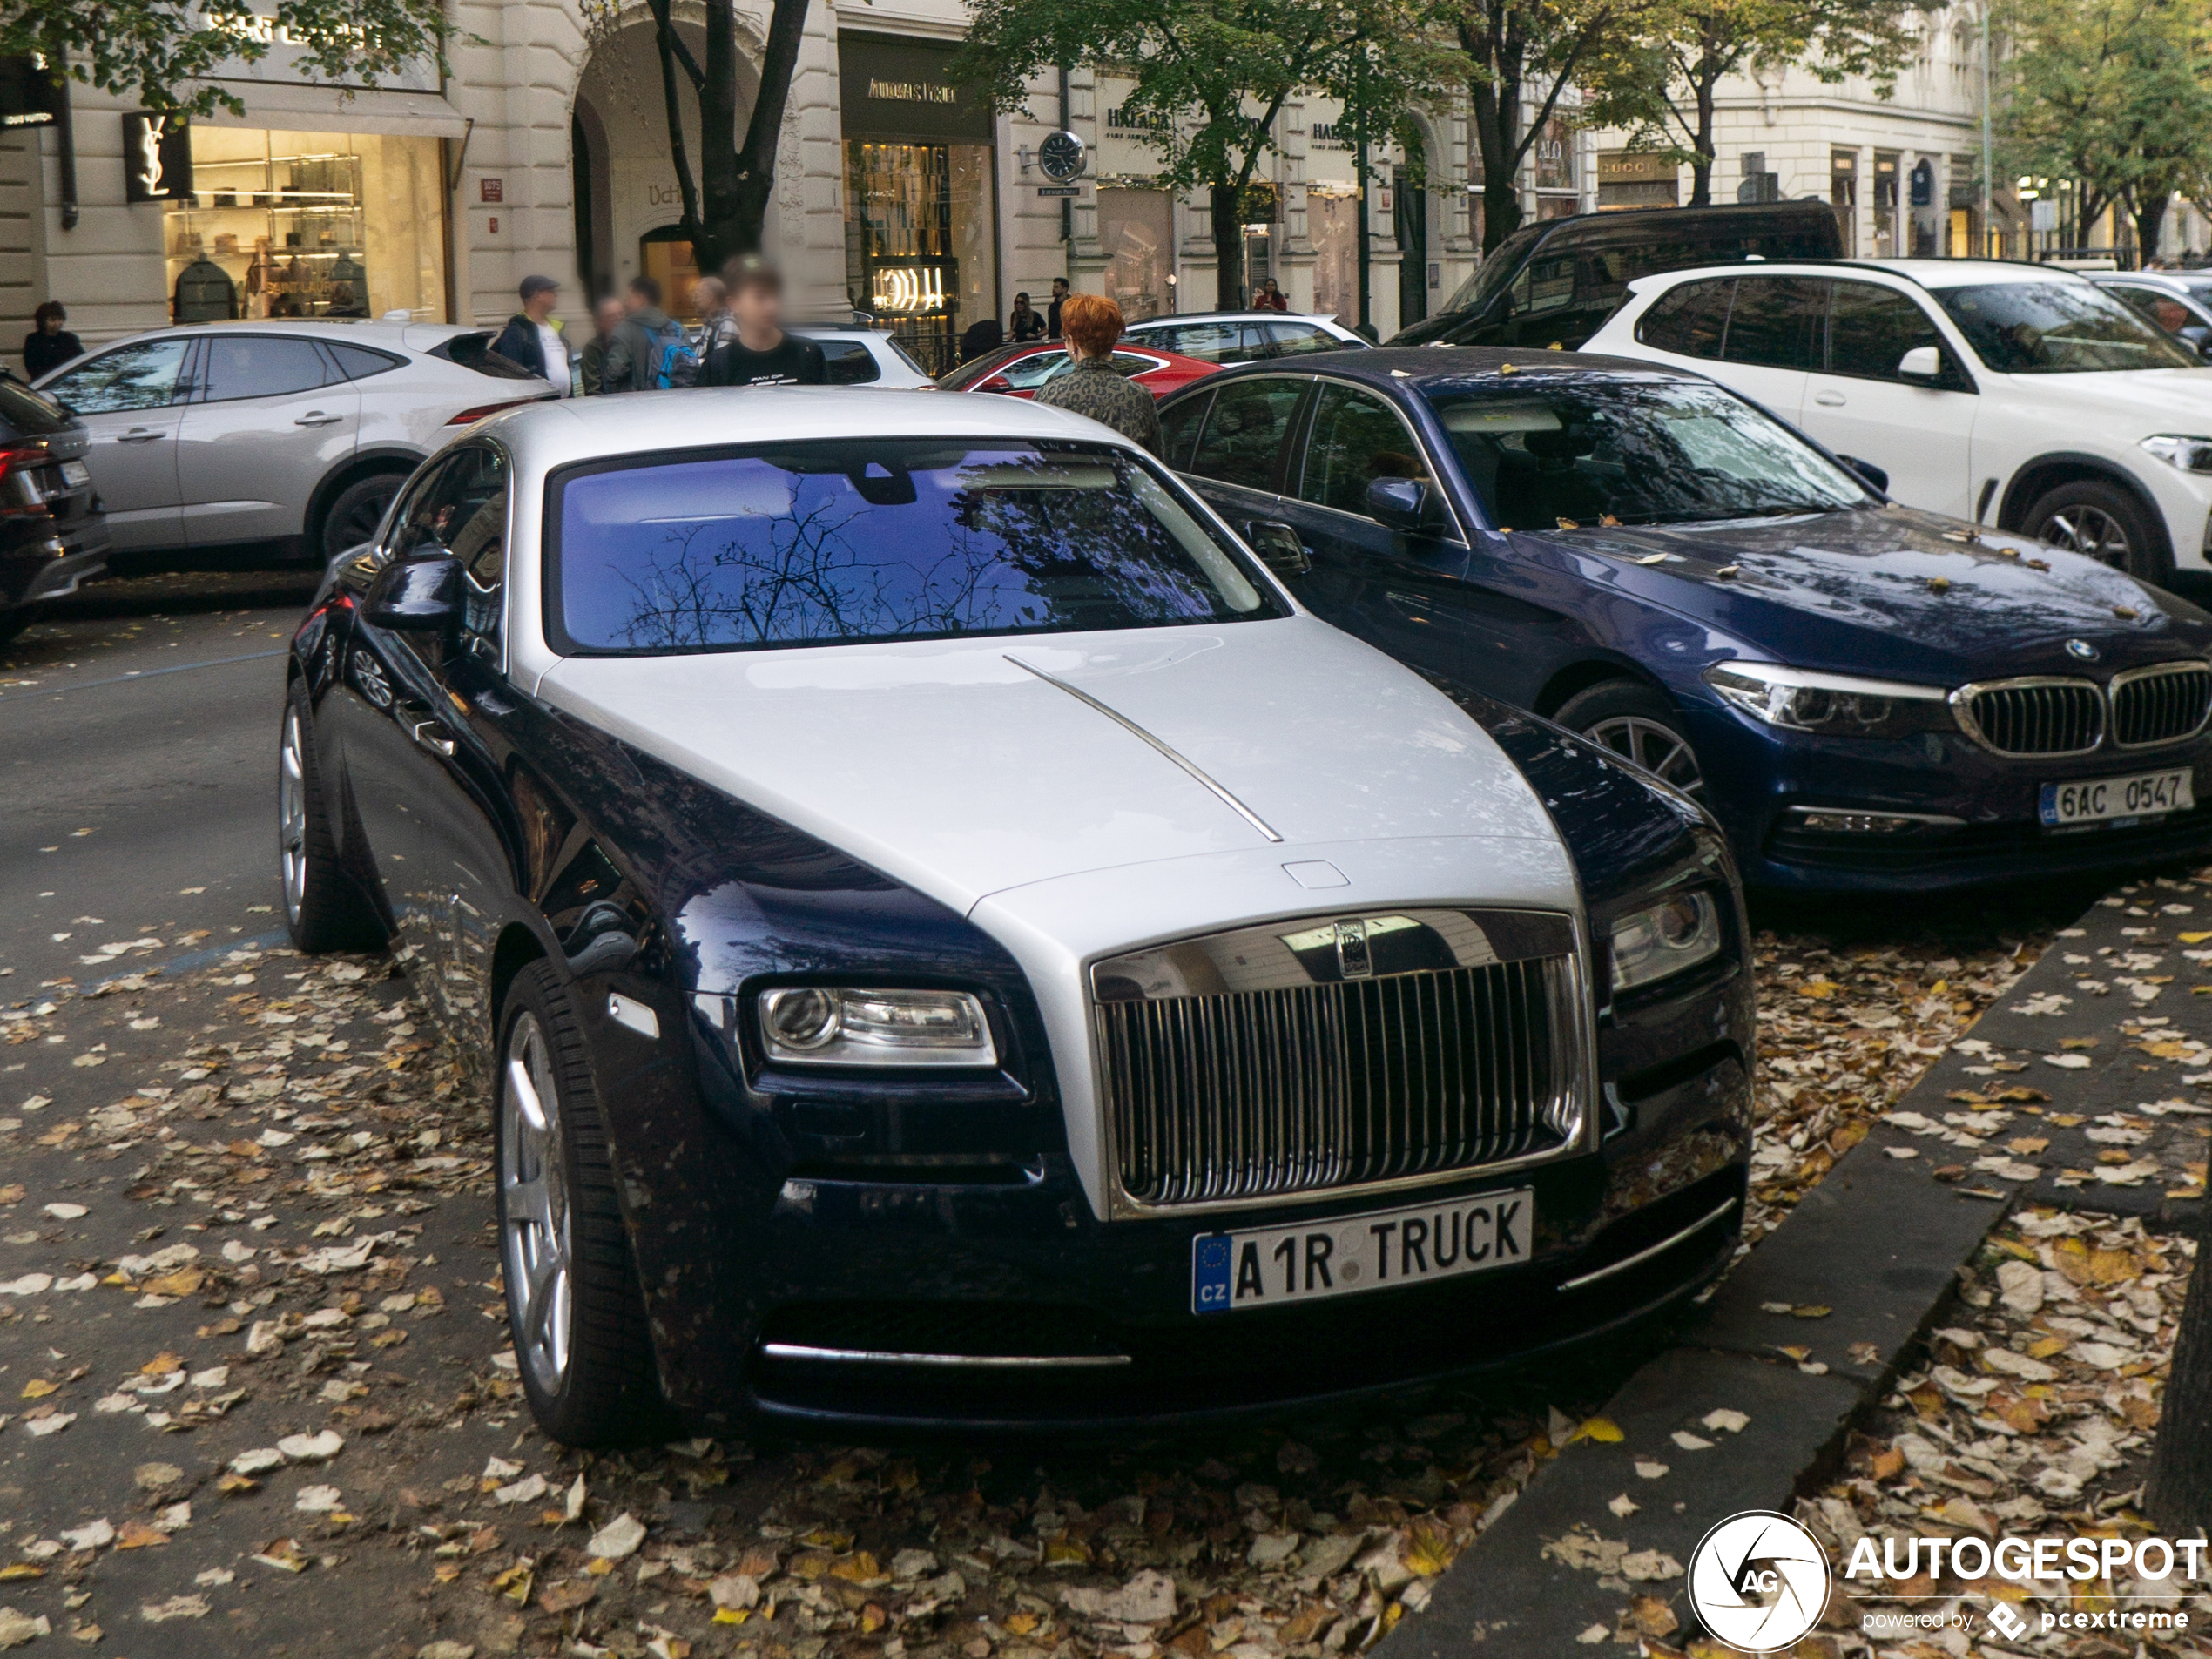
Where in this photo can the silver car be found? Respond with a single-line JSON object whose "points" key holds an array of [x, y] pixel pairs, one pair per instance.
{"points": [[283, 435], [1243, 336]]}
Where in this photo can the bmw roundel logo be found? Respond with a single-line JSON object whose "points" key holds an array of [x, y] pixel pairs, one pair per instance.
{"points": [[2081, 650]]}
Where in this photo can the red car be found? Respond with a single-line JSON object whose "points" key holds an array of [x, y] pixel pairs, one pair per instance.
{"points": [[1018, 370]]}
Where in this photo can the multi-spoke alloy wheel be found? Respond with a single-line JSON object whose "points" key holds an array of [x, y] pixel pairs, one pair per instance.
{"points": [[2104, 520], [574, 1306], [539, 1242], [291, 817], [1659, 749], [2086, 529]]}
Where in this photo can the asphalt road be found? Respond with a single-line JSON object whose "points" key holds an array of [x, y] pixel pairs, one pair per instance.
{"points": [[137, 742]]}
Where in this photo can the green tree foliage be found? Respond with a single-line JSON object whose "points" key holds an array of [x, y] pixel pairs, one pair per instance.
{"points": [[1217, 72], [161, 52], [2115, 95], [1661, 81]]}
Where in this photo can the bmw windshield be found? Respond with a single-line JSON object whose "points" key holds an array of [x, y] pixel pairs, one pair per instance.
{"points": [[1572, 451]]}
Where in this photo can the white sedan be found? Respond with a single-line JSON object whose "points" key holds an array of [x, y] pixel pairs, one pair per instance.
{"points": [[290, 436], [2011, 394], [953, 941]]}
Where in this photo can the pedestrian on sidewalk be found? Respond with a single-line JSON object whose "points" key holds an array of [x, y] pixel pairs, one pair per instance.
{"points": [[1094, 386], [760, 353], [649, 352], [533, 339], [1024, 323], [49, 345], [710, 296], [606, 317], [1271, 297]]}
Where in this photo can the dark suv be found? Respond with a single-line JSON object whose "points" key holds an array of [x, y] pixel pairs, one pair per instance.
{"points": [[53, 531], [1554, 283]]}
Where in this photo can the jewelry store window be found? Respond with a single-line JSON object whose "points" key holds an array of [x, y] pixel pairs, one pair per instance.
{"points": [[306, 224]]}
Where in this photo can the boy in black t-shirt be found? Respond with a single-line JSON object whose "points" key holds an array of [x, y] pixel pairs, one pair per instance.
{"points": [[762, 354]]}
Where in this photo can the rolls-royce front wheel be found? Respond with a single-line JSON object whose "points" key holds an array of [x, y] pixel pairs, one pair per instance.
{"points": [[573, 1305]]}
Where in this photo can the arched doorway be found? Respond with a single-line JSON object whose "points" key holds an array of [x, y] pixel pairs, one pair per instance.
{"points": [[629, 206]]}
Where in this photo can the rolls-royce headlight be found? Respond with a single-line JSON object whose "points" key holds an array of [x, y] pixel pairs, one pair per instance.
{"points": [[812, 1025], [1832, 704], [1665, 939]]}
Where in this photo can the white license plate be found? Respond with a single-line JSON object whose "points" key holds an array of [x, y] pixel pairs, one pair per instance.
{"points": [[1275, 1266], [2098, 800], [76, 474]]}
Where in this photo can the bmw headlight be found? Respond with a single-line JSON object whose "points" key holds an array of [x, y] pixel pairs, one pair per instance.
{"points": [[822, 1025], [1832, 704], [1665, 939], [2190, 455]]}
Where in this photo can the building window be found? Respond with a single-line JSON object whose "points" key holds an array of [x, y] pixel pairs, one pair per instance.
{"points": [[1843, 195], [1332, 227], [1885, 181], [306, 224]]}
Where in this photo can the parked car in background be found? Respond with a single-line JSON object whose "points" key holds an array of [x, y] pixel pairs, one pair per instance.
{"points": [[1019, 371], [52, 532], [2181, 308], [1163, 1006], [280, 437], [856, 354], [1240, 336], [1865, 695], [2010, 394], [1554, 282]]}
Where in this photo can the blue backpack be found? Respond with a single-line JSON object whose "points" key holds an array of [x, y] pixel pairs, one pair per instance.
{"points": [[673, 362]]}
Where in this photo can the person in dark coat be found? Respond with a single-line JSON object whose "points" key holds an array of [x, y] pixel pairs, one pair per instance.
{"points": [[1024, 324], [1052, 311], [530, 337], [49, 345]]}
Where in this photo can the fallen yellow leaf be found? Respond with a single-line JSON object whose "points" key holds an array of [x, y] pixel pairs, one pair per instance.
{"points": [[38, 1388], [1603, 1429]]}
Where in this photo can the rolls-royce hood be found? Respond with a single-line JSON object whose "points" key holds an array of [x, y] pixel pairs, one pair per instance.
{"points": [[1894, 592], [968, 767]]}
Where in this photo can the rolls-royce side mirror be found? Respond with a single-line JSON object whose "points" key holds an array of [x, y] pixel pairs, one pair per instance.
{"points": [[1867, 470], [1407, 505], [421, 594], [1279, 547], [1921, 363]]}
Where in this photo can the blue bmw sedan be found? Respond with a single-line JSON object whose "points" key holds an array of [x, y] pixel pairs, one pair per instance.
{"points": [[1865, 697]]}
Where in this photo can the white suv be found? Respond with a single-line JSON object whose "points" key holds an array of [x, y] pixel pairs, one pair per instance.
{"points": [[2011, 394], [289, 436]]}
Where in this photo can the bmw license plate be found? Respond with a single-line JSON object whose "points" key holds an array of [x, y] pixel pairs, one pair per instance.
{"points": [[1276, 1266], [2103, 800], [76, 474]]}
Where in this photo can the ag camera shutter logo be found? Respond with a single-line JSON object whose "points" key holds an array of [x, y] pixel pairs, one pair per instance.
{"points": [[1758, 1581]]}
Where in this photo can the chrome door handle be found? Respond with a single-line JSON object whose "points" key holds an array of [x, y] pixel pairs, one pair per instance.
{"points": [[1830, 400], [426, 734], [140, 434], [316, 417]]}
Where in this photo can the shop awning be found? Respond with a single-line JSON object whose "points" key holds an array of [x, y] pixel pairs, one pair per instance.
{"points": [[296, 107]]}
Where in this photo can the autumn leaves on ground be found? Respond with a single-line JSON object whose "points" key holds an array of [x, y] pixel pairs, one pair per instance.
{"points": [[258, 1393]]}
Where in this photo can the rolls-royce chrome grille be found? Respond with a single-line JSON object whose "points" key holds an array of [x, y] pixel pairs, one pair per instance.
{"points": [[1343, 1052], [2159, 704], [2035, 717]]}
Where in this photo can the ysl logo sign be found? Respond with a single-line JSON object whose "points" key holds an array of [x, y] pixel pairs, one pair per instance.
{"points": [[157, 157]]}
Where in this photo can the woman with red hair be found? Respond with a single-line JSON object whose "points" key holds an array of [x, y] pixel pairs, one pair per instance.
{"points": [[1093, 386]]}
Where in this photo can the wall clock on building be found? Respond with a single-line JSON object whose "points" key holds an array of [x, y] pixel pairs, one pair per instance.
{"points": [[1061, 156]]}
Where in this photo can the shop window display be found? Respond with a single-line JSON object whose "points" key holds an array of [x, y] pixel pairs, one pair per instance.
{"points": [[306, 224]]}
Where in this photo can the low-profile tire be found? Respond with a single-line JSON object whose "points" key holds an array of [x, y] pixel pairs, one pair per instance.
{"points": [[573, 1307], [352, 518], [2103, 522], [1640, 725], [323, 908]]}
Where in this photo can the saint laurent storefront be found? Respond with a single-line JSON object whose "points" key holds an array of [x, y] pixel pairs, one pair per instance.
{"points": [[921, 200]]}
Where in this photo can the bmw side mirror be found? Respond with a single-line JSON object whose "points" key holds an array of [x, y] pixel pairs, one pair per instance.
{"points": [[1921, 363], [1867, 470], [421, 594], [1407, 505], [1279, 547]]}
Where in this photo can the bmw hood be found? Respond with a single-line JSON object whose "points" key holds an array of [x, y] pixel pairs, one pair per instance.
{"points": [[968, 767], [1894, 592]]}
